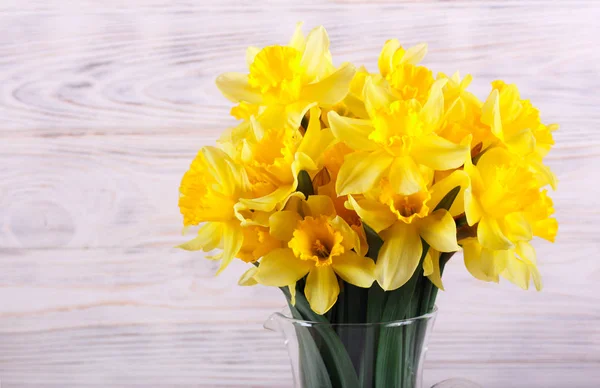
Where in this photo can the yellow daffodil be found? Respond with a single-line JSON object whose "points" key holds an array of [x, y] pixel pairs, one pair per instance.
{"points": [[208, 193], [320, 244], [402, 221], [288, 78], [273, 156], [505, 202], [516, 124], [399, 143]]}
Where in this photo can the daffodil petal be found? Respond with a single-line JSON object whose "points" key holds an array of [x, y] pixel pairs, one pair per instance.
{"points": [[406, 177], [221, 166], [316, 48], [322, 289], [251, 52], [373, 213], [472, 251], [517, 228], [439, 230], [431, 268], [235, 87], [517, 272], [247, 278], [270, 201], [438, 191], [351, 239], [490, 114], [399, 256], [233, 237], [491, 236], [376, 97], [280, 268], [283, 223], [355, 269], [208, 238], [353, 132], [438, 153], [331, 89], [321, 205], [361, 171], [433, 110], [415, 54], [387, 53], [298, 41]]}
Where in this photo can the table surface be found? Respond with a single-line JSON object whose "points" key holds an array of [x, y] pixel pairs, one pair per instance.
{"points": [[104, 104]]}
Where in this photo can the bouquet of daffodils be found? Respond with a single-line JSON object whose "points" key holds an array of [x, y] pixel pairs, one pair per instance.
{"points": [[345, 187]]}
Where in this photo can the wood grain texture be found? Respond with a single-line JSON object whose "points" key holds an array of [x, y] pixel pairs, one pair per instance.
{"points": [[103, 105]]}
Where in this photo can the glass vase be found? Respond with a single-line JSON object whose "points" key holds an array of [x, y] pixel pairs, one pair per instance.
{"points": [[372, 355]]}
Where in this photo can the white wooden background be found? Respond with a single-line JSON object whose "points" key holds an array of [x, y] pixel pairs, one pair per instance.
{"points": [[103, 103]]}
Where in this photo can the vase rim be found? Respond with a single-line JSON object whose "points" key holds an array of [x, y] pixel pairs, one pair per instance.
{"points": [[402, 322]]}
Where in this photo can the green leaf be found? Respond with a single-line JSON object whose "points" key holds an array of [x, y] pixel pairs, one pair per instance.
{"points": [[374, 240], [305, 184], [448, 199], [332, 350]]}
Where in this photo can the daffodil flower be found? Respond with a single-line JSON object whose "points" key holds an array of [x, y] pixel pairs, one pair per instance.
{"points": [[504, 201], [402, 221], [273, 156], [288, 78], [398, 143], [320, 244], [208, 192], [516, 124]]}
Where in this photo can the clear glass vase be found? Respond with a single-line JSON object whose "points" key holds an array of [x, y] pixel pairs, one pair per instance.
{"points": [[373, 355]]}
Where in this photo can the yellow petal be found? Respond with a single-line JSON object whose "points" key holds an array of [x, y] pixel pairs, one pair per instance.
{"points": [[316, 49], [233, 237], [438, 153], [490, 114], [472, 255], [387, 53], [321, 205], [375, 214], [433, 110], [221, 165], [522, 143], [281, 116], [331, 89], [247, 279], [361, 171], [431, 268], [351, 239], [270, 201], [280, 268], [491, 236], [283, 223], [441, 188], [399, 256], [315, 139], [298, 41], [209, 238], [439, 230], [527, 255], [353, 132], [517, 272], [355, 269], [415, 54], [322, 289], [235, 87], [376, 97], [517, 228], [406, 177], [250, 54], [473, 210]]}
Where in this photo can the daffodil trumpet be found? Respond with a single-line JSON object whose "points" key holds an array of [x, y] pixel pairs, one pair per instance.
{"points": [[350, 190]]}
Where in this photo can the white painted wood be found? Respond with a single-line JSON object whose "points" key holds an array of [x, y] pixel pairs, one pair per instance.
{"points": [[103, 105]]}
